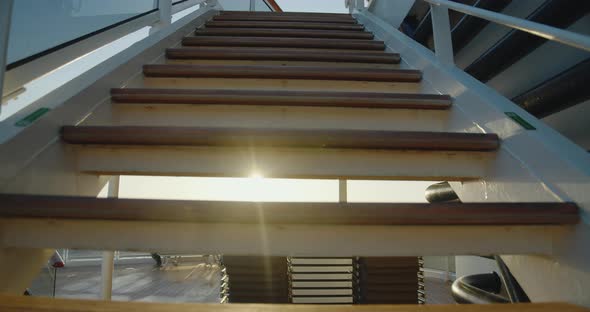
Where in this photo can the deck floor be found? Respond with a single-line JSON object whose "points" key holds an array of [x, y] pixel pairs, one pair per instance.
{"points": [[188, 282], [438, 291], [194, 282]]}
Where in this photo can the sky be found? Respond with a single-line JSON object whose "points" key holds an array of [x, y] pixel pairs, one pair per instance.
{"points": [[257, 188]]}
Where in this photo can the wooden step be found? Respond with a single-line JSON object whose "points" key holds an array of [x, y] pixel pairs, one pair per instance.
{"points": [[284, 25], [66, 207], [275, 138], [285, 18], [42, 304], [281, 54], [301, 14], [282, 98], [273, 42], [281, 72], [291, 33]]}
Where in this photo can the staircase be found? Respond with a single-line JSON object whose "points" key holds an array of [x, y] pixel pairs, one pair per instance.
{"points": [[291, 96]]}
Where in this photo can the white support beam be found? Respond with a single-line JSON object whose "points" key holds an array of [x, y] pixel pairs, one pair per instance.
{"points": [[108, 257], [113, 191], [107, 268], [342, 191], [252, 5], [282, 163], [441, 29], [275, 117], [279, 240], [5, 20], [521, 172], [573, 39]]}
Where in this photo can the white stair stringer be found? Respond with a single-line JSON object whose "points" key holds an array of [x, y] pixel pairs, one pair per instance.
{"points": [[537, 165]]}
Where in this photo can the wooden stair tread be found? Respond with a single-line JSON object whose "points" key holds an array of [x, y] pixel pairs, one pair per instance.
{"points": [[262, 13], [285, 18], [242, 49], [284, 42], [282, 98], [34, 304], [284, 25], [281, 54], [297, 33], [281, 72], [65, 207], [280, 138]]}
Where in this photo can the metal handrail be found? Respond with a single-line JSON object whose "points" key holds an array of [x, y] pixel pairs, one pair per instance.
{"points": [[551, 33]]}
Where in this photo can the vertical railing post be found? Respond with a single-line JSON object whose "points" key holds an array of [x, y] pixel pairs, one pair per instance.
{"points": [[108, 257], [165, 9], [5, 17], [360, 4], [449, 268], [252, 5], [342, 191], [441, 29], [107, 268]]}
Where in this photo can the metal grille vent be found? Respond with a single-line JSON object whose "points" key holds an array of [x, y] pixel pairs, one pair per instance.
{"points": [[321, 280]]}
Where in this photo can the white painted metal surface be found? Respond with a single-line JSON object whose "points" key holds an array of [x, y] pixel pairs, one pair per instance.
{"points": [[19, 266], [5, 19], [107, 268], [518, 173], [279, 240], [33, 162], [537, 29], [283, 163], [108, 257], [342, 191], [272, 117], [441, 30], [531, 165], [73, 102]]}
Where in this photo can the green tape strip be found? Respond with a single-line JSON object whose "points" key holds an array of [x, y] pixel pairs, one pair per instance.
{"points": [[32, 117], [519, 120]]}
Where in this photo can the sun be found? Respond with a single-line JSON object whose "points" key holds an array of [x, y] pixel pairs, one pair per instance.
{"points": [[256, 176]]}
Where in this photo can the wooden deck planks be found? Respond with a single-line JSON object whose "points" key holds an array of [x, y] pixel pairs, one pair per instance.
{"points": [[38, 304]]}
